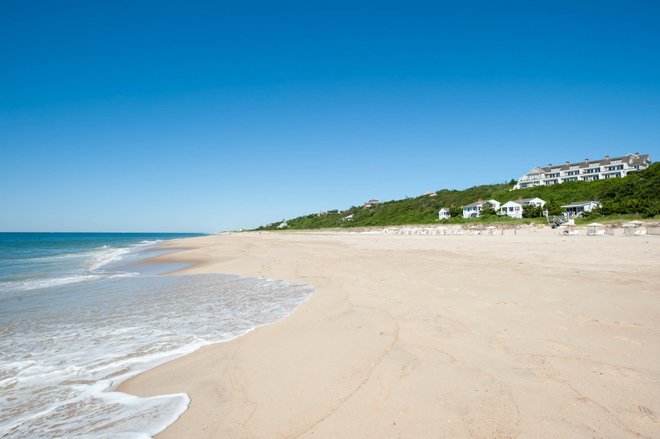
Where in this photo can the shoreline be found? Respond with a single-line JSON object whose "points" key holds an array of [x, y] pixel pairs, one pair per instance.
{"points": [[335, 354]]}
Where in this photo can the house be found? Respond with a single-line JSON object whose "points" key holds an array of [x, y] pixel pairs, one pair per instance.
{"points": [[576, 209], [444, 214], [283, 225], [584, 171], [514, 209], [348, 218], [370, 203], [473, 210]]}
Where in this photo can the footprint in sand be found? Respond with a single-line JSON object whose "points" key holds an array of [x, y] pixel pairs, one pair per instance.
{"points": [[647, 413]]}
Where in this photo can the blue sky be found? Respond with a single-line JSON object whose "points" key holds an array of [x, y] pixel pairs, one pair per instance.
{"points": [[207, 116]]}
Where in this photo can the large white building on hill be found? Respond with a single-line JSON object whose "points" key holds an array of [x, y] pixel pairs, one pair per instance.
{"points": [[584, 171]]}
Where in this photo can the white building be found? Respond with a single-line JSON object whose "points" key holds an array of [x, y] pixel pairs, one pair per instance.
{"points": [[576, 209], [514, 209], [473, 210], [444, 214], [584, 171]]}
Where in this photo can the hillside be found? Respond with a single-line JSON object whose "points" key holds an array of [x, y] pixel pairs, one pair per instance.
{"points": [[637, 193]]}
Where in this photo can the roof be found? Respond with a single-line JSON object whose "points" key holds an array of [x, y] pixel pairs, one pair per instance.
{"points": [[631, 159], [518, 202], [479, 203], [579, 203], [522, 201]]}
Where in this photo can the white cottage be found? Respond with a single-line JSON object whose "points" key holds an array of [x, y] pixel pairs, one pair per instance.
{"points": [[444, 214], [576, 209], [514, 209], [473, 210]]}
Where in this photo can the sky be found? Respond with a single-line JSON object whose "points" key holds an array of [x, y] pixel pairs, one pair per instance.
{"points": [[209, 116]]}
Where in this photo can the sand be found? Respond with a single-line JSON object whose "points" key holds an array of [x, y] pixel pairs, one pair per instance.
{"points": [[532, 335]]}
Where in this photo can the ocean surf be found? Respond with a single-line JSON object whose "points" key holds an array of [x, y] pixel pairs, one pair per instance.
{"points": [[78, 318]]}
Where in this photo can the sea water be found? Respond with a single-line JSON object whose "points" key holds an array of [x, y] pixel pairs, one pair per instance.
{"points": [[79, 314]]}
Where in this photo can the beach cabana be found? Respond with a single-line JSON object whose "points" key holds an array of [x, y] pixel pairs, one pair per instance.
{"points": [[595, 229], [634, 228], [570, 229]]}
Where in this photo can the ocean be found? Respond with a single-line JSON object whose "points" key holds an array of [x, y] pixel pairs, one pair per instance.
{"points": [[80, 313]]}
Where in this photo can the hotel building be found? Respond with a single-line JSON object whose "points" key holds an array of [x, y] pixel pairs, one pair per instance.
{"points": [[584, 171]]}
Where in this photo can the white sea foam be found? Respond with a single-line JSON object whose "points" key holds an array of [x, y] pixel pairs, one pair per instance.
{"points": [[90, 267], [33, 284], [64, 350], [106, 256]]}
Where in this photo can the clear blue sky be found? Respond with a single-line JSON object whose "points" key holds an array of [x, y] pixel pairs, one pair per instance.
{"points": [[206, 116]]}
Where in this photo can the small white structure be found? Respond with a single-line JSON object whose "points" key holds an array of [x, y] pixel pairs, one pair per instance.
{"points": [[444, 214], [348, 218], [595, 229], [634, 228], [570, 229], [514, 209], [576, 209], [473, 210], [283, 225]]}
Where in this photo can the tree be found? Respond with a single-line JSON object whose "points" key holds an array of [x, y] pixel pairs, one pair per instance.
{"points": [[531, 211], [487, 209], [553, 208], [455, 211]]}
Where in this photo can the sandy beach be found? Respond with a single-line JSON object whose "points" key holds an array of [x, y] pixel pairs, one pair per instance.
{"points": [[532, 335]]}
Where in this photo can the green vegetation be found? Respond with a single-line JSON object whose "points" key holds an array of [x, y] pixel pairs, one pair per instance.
{"points": [[638, 194]]}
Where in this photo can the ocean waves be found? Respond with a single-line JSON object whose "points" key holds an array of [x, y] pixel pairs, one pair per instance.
{"points": [[29, 273], [65, 348]]}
